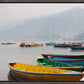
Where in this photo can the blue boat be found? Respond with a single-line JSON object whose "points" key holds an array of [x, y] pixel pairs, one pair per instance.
{"points": [[76, 62], [60, 45], [66, 45], [77, 48]]}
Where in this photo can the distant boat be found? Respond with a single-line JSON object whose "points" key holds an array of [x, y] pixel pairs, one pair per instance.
{"points": [[55, 64], [76, 62], [64, 56], [30, 45], [8, 43], [26, 72], [36, 45], [60, 45], [51, 43], [77, 48], [66, 45]]}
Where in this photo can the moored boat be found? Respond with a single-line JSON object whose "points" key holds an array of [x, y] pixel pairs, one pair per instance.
{"points": [[70, 44], [8, 43], [76, 62], [64, 56], [36, 45], [30, 45], [51, 43], [27, 72], [24, 45], [66, 45], [77, 48], [55, 64], [60, 45]]}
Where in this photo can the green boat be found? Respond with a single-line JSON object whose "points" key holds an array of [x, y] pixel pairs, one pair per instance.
{"points": [[55, 64]]}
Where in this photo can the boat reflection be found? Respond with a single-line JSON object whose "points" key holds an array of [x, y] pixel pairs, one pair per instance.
{"points": [[76, 50], [11, 78]]}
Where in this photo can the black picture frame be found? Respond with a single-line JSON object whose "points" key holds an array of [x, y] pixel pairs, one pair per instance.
{"points": [[41, 1]]}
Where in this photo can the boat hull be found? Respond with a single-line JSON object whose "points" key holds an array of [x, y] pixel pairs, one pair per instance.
{"points": [[64, 56], [8, 43], [38, 45], [29, 45], [57, 65], [77, 48], [60, 45], [76, 62], [45, 77]]}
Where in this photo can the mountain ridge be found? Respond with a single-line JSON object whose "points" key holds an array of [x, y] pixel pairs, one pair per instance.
{"points": [[66, 24]]}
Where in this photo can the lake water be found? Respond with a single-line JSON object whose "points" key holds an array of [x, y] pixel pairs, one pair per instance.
{"points": [[28, 55]]}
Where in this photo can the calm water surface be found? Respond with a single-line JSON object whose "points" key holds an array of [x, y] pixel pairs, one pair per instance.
{"points": [[14, 53]]}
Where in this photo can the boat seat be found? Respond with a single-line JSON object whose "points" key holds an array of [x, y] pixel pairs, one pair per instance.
{"points": [[63, 65], [43, 63], [53, 64], [60, 65], [56, 64]]}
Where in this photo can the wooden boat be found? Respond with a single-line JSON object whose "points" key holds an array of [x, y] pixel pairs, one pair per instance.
{"points": [[55, 64], [76, 62], [8, 43], [24, 45], [27, 72], [77, 48], [36, 45], [73, 44], [30, 45], [64, 56], [66, 45], [51, 43]]}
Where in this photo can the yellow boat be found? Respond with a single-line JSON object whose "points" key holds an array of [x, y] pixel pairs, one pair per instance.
{"points": [[36, 45], [26, 72], [30, 45]]}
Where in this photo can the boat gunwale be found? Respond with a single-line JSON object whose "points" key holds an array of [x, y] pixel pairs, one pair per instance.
{"points": [[65, 60], [61, 55]]}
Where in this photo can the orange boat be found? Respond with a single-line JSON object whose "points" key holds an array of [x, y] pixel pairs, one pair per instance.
{"points": [[30, 45]]}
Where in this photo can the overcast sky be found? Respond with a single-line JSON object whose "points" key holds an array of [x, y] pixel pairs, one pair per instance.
{"points": [[30, 10]]}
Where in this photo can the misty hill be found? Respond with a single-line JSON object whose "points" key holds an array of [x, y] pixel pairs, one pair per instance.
{"points": [[7, 24], [79, 37], [66, 24]]}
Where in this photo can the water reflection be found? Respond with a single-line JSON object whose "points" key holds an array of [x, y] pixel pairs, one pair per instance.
{"points": [[10, 77], [77, 51]]}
